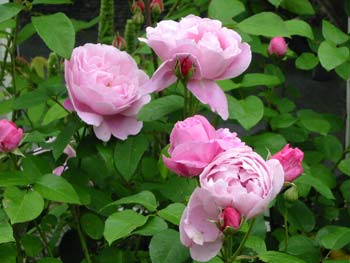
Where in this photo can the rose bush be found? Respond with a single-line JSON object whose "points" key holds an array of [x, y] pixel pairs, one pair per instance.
{"points": [[105, 88]]}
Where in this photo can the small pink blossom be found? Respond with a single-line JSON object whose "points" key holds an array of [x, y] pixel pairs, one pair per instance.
{"points": [[277, 46], [291, 160], [70, 152], [10, 135]]}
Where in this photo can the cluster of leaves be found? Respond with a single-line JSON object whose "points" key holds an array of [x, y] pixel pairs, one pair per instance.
{"points": [[118, 198]]}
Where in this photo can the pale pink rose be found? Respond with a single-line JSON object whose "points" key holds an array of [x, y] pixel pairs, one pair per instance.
{"points": [[202, 51], [277, 46], [105, 89], [240, 178], [199, 226], [231, 218], [10, 136], [194, 143], [291, 159]]}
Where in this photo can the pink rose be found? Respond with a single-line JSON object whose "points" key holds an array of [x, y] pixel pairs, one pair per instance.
{"points": [[199, 226], [10, 136], [291, 160], [105, 89], [277, 46], [204, 51], [231, 218], [240, 178], [194, 143]]}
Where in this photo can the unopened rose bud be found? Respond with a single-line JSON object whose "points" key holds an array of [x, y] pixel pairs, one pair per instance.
{"points": [[231, 218], [277, 46], [290, 160], [138, 18], [10, 136], [291, 194], [138, 6], [119, 42], [157, 6], [184, 68]]}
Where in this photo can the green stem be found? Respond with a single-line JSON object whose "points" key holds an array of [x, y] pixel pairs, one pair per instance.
{"points": [[286, 234], [172, 9], [18, 244], [81, 235], [185, 100], [43, 237], [13, 63], [7, 50], [241, 245]]}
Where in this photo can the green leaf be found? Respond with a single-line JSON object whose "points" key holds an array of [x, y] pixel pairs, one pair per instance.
{"points": [[306, 61], [165, 247], [333, 34], [333, 237], [32, 245], [331, 56], [22, 206], [26, 32], [264, 24], [5, 229], [121, 224], [343, 70], [266, 143], [145, 198], [279, 257], [330, 146], [299, 7], [256, 243], [172, 213], [225, 10], [306, 222], [158, 108], [81, 25], [259, 79], [56, 112], [14, 178], [49, 260], [318, 184], [57, 32], [284, 120], [92, 225], [299, 27], [344, 166], [56, 188], [9, 10], [51, 2], [177, 189], [8, 253], [248, 112], [324, 174], [153, 226], [313, 121], [227, 85], [127, 154], [275, 3], [6, 106], [30, 99]]}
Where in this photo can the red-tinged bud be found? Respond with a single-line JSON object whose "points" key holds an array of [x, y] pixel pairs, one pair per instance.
{"points": [[184, 68], [157, 7], [277, 46], [138, 18], [119, 42], [231, 218], [138, 6]]}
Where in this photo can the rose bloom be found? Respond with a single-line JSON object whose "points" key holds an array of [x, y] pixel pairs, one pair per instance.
{"points": [[10, 136], [277, 46], [291, 159], [105, 89], [194, 143], [240, 178], [201, 50]]}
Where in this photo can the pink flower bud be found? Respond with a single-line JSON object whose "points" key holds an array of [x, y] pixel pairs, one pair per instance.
{"points": [[10, 136], [291, 162], [157, 6], [59, 170], [138, 6], [231, 218], [277, 46], [184, 68], [119, 42]]}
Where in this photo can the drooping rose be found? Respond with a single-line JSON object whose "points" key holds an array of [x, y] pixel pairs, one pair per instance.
{"points": [[240, 178], [10, 135], [105, 89], [205, 50], [277, 46], [291, 159], [194, 143], [199, 226]]}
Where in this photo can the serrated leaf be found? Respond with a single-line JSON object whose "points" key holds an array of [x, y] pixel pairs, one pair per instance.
{"points": [[172, 213], [225, 10], [57, 32], [56, 112], [331, 56], [22, 206], [121, 224], [56, 188], [158, 108], [127, 154]]}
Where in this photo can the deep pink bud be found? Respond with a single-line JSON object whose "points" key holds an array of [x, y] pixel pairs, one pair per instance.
{"points": [[291, 160], [119, 42], [10, 136], [157, 6], [184, 68], [138, 6], [277, 46], [231, 218]]}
